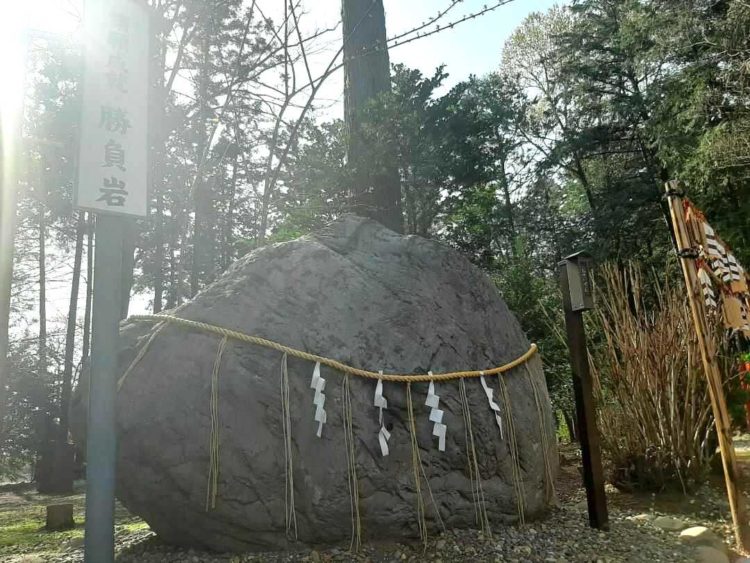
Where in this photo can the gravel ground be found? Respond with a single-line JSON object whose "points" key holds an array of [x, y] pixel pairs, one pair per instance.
{"points": [[564, 536]]}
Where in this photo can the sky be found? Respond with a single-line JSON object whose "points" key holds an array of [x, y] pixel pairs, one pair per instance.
{"points": [[470, 48], [473, 47]]}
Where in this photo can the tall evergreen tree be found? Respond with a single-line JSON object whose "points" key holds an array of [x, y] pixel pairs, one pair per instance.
{"points": [[376, 184]]}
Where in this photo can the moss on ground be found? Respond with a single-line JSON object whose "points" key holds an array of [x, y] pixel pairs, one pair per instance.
{"points": [[136, 525], [22, 520]]}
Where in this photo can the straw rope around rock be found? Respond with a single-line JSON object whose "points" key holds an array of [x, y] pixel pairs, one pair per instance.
{"points": [[242, 337], [418, 469]]}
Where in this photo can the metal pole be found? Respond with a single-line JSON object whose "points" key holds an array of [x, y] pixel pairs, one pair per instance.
{"points": [[101, 438], [588, 433]]}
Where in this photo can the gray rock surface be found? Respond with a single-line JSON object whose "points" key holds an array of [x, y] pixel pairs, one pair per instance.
{"points": [[706, 554], [700, 535], [370, 298]]}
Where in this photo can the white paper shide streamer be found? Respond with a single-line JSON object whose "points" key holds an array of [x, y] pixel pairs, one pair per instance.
{"points": [[735, 269], [718, 255], [707, 287], [436, 415], [319, 384], [382, 403], [493, 405]]}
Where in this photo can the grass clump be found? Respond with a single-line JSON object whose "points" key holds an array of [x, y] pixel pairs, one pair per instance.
{"points": [[654, 409]]}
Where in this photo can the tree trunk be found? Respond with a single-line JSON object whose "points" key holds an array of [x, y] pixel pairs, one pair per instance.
{"points": [[70, 336], [227, 247], [508, 209], [158, 133], [43, 470], [129, 234], [159, 254], [580, 173], [7, 244], [42, 349], [201, 197], [172, 293], [176, 268], [570, 423], [377, 188]]}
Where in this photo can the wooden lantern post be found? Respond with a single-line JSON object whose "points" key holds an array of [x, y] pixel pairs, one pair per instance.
{"points": [[575, 283]]}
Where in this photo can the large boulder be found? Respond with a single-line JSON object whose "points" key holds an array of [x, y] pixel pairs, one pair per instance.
{"points": [[361, 294]]}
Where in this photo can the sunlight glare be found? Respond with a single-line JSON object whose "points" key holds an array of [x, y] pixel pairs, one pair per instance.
{"points": [[12, 63]]}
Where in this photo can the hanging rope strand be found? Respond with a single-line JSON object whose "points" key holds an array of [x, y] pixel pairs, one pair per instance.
{"points": [[213, 447], [544, 436], [142, 352], [480, 508], [416, 463], [469, 441], [516, 468], [290, 513], [432, 497], [346, 404]]}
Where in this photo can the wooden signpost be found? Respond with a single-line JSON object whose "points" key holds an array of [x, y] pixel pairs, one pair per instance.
{"points": [[689, 253], [112, 184], [575, 283]]}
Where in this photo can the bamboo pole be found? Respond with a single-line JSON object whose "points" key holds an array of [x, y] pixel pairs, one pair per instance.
{"points": [[710, 366]]}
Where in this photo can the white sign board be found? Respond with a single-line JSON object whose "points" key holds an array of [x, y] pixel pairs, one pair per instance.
{"points": [[114, 144]]}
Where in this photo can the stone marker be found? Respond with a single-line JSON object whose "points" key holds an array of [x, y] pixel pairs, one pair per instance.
{"points": [[59, 517], [366, 296]]}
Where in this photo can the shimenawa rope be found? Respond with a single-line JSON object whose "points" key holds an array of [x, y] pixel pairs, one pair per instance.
{"points": [[233, 334]]}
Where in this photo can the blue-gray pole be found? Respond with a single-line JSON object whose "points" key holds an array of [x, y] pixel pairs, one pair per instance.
{"points": [[101, 446]]}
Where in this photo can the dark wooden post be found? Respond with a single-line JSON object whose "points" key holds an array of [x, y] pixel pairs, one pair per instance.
{"points": [[576, 290]]}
